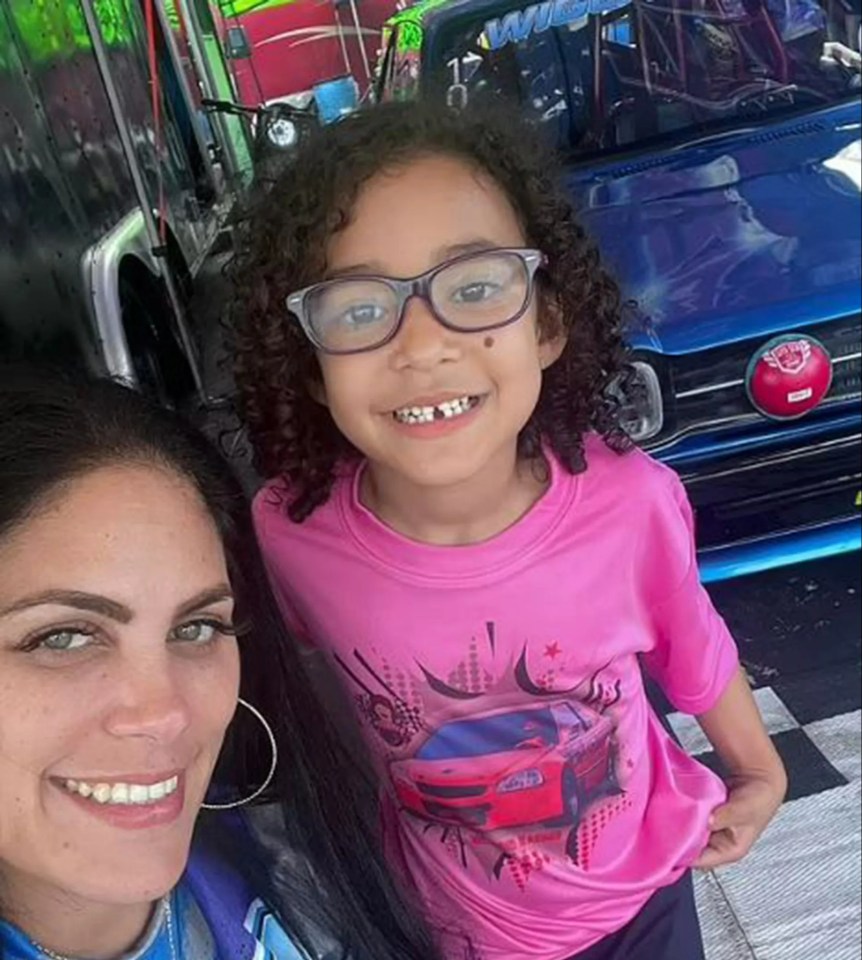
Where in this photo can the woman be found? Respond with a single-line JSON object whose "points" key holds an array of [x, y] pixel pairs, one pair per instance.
{"points": [[139, 653]]}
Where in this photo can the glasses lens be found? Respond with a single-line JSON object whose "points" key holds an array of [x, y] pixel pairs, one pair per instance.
{"points": [[348, 315], [482, 291]]}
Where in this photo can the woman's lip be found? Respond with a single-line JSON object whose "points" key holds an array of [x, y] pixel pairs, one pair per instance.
{"points": [[134, 817]]}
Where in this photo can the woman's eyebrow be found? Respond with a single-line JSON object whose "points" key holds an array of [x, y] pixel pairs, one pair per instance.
{"points": [[93, 603], [206, 598], [76, 599]]}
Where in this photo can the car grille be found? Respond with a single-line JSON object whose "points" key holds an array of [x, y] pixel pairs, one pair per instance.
{"points": [[453, 793], [707, 389], [472, 816], [744, 496]]}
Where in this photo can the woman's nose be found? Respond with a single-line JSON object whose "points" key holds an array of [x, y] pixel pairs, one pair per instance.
{"points": [[150, 703]]}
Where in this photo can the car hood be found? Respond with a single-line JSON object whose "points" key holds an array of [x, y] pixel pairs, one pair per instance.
{"points": [[740, 235], [462, 770]]}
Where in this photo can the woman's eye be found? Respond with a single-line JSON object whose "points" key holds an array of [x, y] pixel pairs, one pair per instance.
{"points": [[63, 641], [201, 632], [475, 292]]}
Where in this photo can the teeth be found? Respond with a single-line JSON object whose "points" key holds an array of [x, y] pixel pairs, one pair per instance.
{"points": [[442, 411], [120, 794], [123, 794]]}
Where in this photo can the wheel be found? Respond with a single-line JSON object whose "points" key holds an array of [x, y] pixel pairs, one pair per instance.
{"points": [[160, 367], [572, 799], [612, 784]]}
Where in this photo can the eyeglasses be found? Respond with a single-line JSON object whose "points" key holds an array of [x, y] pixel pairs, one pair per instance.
{"points": [[472, 293]]}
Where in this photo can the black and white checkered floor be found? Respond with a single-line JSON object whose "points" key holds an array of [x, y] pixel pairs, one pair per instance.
{"points": [[797, 895]]}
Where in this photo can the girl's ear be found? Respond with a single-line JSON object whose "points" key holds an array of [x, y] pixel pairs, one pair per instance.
{"points": [[551, 349]]}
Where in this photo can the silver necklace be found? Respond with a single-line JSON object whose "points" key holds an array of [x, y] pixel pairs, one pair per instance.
{"points": [[167, 914]]}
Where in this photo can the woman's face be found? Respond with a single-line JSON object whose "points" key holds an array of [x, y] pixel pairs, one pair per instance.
{"points": [[116, 685]]}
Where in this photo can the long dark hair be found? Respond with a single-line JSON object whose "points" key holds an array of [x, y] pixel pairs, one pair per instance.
{"points": [[55, 427], [281, 246]]}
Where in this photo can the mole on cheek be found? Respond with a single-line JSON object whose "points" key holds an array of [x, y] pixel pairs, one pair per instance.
{"points": [[489, 342]]}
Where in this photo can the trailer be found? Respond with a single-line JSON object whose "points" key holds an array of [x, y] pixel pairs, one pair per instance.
{"points": [[321, 40], [114, 184]]}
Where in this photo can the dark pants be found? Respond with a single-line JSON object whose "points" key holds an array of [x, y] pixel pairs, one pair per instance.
{"points": [[666, 929]]}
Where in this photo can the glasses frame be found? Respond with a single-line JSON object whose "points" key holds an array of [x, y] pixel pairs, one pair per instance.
{"points": [[418, 286]]}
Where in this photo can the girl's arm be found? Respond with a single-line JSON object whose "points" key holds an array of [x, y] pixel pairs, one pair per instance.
{"points": [[757, 782]]}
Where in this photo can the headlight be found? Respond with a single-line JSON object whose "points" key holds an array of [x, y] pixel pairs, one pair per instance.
{"points": [[282, 133], [642, 407], [525, 780]]}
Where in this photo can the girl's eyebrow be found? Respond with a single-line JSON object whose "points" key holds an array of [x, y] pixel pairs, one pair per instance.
{"points": [[441, 254], [93, 603]]}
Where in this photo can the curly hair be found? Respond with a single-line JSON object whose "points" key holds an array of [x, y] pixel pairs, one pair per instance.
{"points": [[281, 246]]}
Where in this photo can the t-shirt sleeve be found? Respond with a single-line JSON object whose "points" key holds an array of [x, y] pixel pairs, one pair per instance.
{"points": [[694, 656]]}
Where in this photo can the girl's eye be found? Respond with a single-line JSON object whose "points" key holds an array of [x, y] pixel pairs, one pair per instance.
{"points": [[475, 292], [362, 314], [63, 641], [200, 632]]}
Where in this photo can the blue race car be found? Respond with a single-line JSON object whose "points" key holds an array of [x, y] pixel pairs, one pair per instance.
{"points": [[714, 148]]}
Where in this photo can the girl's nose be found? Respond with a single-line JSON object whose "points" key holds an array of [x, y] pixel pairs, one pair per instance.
{"points": [[423, 342]]}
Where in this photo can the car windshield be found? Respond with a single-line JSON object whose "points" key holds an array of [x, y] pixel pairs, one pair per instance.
{"points": [[606, 75], [482, 736]]}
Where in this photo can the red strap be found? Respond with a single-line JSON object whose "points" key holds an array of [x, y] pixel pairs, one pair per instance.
{"points": [[156, 95]]}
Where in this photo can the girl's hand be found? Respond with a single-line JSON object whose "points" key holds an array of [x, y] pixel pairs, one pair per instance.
{"points": [[735, 826], [756, 782]]}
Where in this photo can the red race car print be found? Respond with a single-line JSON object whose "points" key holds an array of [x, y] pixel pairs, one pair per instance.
{"points": [[511, 768]]}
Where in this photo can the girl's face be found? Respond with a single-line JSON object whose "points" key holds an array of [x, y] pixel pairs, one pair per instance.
{"points": [[116, 686], [405, 222]]}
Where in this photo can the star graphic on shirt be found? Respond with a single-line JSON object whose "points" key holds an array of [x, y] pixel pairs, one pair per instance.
{"points": [[552, 651]]}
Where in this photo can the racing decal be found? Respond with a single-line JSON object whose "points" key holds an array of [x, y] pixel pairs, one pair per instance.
{"points": [[271, 942], [504, 762], [789, 356], [519, 25]]}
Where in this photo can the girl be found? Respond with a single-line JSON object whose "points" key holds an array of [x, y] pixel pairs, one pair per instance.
{"points": [[127, 570], [427, 344]]}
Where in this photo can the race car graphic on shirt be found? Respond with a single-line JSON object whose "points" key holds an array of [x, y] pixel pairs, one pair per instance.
{"points": [[506, 758], [511, 768]]}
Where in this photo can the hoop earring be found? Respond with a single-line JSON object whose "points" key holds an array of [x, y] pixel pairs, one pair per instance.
{"points": [[269, 777]]}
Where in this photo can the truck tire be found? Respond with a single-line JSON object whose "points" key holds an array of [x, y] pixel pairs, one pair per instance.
{"points": [[161, 368]]}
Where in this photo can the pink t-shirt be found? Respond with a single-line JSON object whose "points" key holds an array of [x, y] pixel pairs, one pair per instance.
{"points": [[531, 791]]}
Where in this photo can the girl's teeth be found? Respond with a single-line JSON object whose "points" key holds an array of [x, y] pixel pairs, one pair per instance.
{"points": [[442, 411], [123, 794]]}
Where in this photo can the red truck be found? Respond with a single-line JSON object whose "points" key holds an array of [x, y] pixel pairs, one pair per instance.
{"points": [[282, 47]]}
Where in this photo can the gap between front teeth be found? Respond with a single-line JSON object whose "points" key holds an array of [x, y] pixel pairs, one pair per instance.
{"points": [[442, 411], [123, 794]]}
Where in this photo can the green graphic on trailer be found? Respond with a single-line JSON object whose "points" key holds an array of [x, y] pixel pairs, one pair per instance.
{"points": [[49, 30]]}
